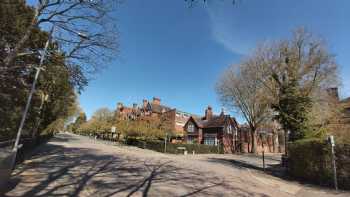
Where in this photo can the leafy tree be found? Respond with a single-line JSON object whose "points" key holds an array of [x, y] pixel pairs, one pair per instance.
{"points": [[293, 71], [54, 100], [292, 110], [101, 121], [81, 119]]}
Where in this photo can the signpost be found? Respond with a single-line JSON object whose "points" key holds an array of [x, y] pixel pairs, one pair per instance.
{"points": [[165, 139], [332, 142]]}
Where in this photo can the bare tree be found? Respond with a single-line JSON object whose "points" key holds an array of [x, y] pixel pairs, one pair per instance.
{"points": [[84, 32], [240, 89]]}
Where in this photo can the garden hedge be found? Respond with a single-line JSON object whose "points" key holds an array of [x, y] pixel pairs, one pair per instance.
{"points": [[310, 160], [173, 148]]}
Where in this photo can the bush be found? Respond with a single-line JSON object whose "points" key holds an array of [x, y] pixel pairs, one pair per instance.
{"points": [[158, 146], [310, 160]]}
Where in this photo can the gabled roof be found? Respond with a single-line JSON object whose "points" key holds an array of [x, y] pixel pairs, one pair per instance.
{"points": [[214, 122]]}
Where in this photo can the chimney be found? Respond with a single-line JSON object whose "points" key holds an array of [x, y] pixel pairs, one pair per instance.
{"points": [[333, 92], [208, 113], [156, 101], [145, 102], [222, 111], [119, 105]]}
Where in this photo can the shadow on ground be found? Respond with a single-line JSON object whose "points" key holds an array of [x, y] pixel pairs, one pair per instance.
{"points": [[275, 170], [57, 170]]}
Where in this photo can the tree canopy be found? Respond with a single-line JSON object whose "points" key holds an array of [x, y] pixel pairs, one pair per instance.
{"points": [[55, 99]]}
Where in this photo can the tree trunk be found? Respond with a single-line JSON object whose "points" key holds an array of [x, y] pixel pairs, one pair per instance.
{"points": [[254, 145]]}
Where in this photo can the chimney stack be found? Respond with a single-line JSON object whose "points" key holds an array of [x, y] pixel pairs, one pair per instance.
{"points": [[145, 102], [222, 111], [333, 92], [208, 113], [119, 106], [156, 101]]}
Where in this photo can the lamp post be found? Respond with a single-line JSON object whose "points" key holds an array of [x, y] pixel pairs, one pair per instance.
{"points": [[32, 90], [38, 69]]}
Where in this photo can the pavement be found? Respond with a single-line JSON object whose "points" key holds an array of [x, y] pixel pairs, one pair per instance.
{"points": [[72, 165]]}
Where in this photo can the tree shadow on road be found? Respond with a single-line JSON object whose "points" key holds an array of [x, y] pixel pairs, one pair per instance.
{"points": [[275, 170], [56, 170]]}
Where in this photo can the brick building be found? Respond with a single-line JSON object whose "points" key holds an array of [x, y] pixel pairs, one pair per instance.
{"points": [[213, 130], [344, 103], [346, 109], [174, 118], [267, 138]]}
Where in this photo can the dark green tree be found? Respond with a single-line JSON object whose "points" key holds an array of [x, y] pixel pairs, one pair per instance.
{"points": [[292, 109], [54, 99]]}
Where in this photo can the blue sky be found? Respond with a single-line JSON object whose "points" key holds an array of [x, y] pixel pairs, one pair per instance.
{"points": [[177, 53]]}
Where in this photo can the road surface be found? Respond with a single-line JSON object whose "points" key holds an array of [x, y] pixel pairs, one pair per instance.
{"points": [[71, 165]]}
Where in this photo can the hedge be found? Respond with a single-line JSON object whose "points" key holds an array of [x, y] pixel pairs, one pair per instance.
{"points": [[158, 146], [310, 160]]}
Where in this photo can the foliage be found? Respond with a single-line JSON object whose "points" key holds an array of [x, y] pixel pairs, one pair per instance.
{"points": [[173, 148], [84, 33], [299, 67], [146, 128], [292, 110], [101, 122], [286, 76], [318, 165], [104, 119], [81, 119], [54, 99]]}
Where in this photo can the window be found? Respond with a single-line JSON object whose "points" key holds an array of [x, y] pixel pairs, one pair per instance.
{"points": [[190, 139], [190, 127], [229, 129], [210, 141]]}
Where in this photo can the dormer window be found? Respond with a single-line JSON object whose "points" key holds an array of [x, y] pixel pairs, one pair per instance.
{"points": [[190, 127]]}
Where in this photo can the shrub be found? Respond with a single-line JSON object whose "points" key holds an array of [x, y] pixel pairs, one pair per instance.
{"points": [[158, 146], [310, 160]]}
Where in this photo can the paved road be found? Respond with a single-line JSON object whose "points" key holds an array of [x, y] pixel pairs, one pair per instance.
{"points": [[71, 165]]}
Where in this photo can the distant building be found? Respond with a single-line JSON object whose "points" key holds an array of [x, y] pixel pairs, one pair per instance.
{"points": [[345, 104], [174, 118], [213, 130], [346, 110]]}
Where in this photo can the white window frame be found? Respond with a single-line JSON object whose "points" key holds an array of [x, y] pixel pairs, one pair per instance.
{"points": [[229, 129], [190, 127]]}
